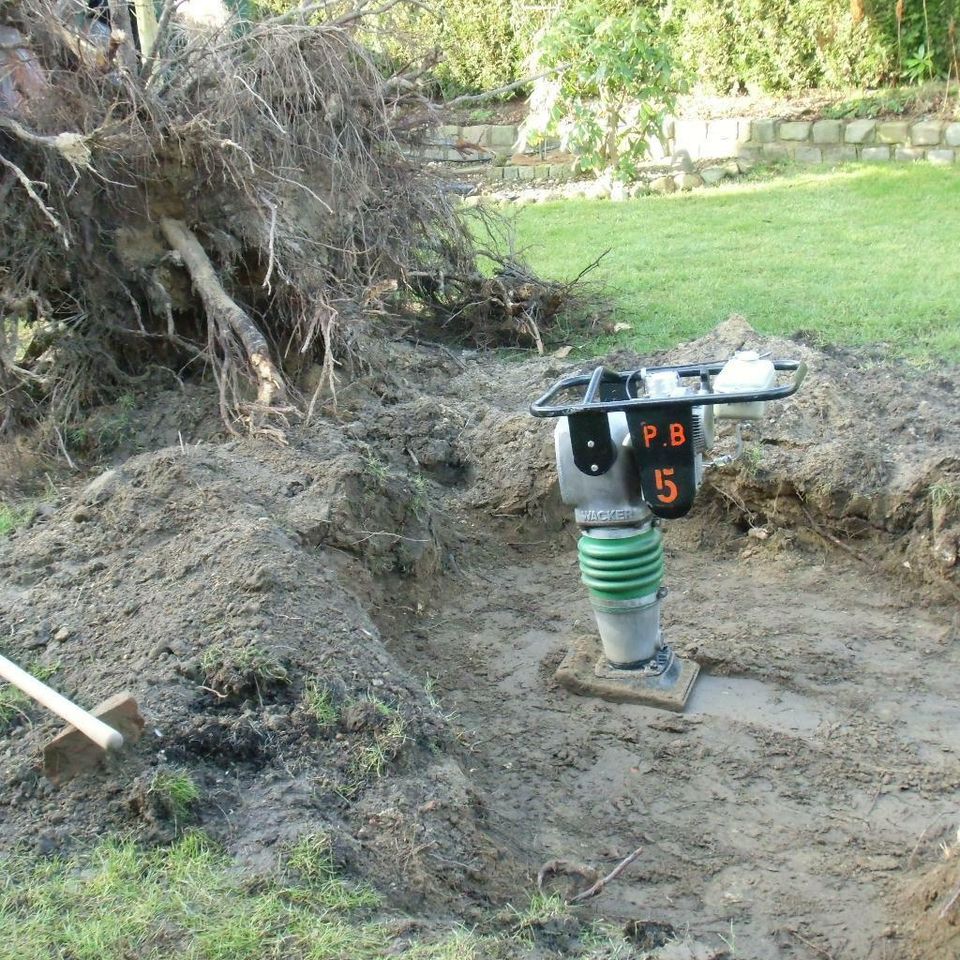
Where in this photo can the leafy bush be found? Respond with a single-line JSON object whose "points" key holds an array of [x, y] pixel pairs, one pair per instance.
{"points": [[778, 45], [919, 66], [923, 24], [478, 45], [722, 45], [614, 81], [481, 49]]}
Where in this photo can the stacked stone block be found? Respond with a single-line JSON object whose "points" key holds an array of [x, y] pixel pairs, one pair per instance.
{"points": [[825, 140], [818, 141], [469, 144], [492, 146]]}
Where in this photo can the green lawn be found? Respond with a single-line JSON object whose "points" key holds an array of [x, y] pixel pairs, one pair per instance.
{"points": [[190, 900], [857, 254]]}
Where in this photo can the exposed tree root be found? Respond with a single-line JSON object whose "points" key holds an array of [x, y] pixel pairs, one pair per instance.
{"points": [[225, 314], [31, 190]]}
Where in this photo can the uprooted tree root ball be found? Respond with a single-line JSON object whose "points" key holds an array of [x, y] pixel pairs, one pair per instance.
{"points": [[241, 199]]}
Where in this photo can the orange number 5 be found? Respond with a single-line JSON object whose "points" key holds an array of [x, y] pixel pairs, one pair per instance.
{"points": [[667, 490]]}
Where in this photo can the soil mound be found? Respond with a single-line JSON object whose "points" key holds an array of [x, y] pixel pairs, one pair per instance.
{"points": [[866, 453], [227, 587], [932, 905]]}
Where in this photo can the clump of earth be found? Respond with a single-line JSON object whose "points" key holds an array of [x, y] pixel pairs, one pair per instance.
{"points": [[357, 633]]}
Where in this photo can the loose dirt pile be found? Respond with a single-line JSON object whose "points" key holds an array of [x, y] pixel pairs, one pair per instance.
{"points": [[228, 587], [357, 633], [868, 454]]}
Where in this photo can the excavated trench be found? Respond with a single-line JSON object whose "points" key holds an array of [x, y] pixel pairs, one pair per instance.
{"points": [[408, 556], [783, 807]]}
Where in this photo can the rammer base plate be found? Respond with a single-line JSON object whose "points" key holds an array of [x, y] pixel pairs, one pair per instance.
{"points": [[586, 672]]}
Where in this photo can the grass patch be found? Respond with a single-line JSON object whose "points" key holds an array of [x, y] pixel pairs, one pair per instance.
{"points": [[318, 702], [177, 792], [420, 500], [381, 743], [185, 900], [858, 254], [542, 908], [245, 659], [375, 469], [460, 945], [310, 857], [370, 760], [945, 493], [242, 670], [189, 900], [10, 519], [752, 459], [14, 702]]}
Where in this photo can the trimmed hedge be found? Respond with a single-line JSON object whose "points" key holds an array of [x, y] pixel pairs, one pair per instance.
{"points": [[780, 45], [723, 45], [479, 45], [777, 45]]}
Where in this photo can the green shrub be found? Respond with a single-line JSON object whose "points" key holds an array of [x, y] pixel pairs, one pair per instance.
{"points": [[479, 45], [779, 45], [924, 24], [722, 45], [614, 81]]}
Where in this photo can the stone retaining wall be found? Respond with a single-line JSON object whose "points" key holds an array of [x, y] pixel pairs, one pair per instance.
{"points": [[816, 141], [496, 147], [453, 144]]}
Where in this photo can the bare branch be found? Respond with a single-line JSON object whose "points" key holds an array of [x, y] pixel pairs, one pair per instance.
{"points": [[163, 27], [500, 91], [593, 890]]}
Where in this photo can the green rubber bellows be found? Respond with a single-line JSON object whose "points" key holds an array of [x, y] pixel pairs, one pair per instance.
{"points": [[623, 568]]}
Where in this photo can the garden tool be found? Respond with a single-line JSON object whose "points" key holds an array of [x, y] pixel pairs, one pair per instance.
{"points": [[630, 453], [91, 734]]}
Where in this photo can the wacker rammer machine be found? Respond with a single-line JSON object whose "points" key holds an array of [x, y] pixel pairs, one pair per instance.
{"points": [[630, 453]]}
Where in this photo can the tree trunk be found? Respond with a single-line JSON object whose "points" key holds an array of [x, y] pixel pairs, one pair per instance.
{"points": [[146, 27]]}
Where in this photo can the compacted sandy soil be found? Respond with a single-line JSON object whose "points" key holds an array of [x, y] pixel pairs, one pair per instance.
{"points": [[407, 555], [816, 762]]}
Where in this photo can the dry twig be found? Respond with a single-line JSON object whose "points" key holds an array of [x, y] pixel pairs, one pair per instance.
{"points": [[830, 538], [554, 867], [819, 951], [609, 878], [29, 185], [951, 903]]}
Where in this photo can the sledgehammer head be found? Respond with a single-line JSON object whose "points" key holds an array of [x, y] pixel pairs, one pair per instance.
{"points": [[72, 752]]}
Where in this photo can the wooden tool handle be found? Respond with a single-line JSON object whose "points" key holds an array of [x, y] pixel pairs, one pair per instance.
{"points": [[86, 723]]}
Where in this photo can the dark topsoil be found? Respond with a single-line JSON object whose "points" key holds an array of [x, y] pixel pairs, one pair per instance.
{"points": [[223, 582]]}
